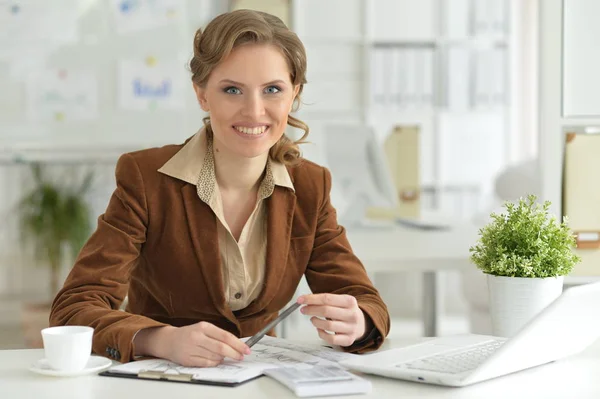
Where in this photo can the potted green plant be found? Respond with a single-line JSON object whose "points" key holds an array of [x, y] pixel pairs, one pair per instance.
{"points": [[54, 221], [525, 253]]}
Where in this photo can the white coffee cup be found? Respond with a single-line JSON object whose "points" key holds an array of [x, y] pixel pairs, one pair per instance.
{"points": [[68, 348]]}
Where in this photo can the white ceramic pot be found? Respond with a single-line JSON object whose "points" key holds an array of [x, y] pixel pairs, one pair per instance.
{"points": [[514, 301]]}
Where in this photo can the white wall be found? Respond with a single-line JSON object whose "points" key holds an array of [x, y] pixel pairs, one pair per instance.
{"points": [[524, 129], [580, 59], [336, 92], [550, 95]]}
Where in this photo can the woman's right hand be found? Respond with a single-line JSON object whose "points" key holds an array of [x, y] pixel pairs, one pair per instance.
{"points": [[198, 345]]}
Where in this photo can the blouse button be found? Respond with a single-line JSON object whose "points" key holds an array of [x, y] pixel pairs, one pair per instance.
{"points": [[238, 295]]}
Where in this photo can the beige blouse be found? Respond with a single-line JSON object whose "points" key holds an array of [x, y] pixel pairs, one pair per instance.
{"points": [[242, 261]]}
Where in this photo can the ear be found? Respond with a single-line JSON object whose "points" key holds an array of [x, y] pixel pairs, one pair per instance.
{"points": [[296, 90], [201, 96]]}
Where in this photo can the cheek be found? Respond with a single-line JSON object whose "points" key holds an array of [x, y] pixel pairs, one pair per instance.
{"points": [[281, 109], [222, 111]]}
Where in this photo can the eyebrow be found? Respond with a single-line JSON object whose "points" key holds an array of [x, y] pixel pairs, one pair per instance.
{"points": [[233, 82]]}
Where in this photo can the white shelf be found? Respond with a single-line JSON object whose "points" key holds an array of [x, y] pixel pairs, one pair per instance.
{"points": [[469, 42], [402, 43], [476, 42], [392, 114], [581, 121], [421, 37], [68, 152]]}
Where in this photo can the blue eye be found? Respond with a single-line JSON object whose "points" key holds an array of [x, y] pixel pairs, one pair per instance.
{"points": [[272, 89], [232, 90]]}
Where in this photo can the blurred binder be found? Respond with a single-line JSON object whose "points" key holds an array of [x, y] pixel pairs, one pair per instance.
{"points": [[581, 191], [402, 153]]}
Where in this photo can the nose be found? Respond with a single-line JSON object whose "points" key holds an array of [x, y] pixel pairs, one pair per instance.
{"points": [[254, 106]]}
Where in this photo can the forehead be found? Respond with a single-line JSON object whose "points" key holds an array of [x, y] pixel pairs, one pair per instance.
{"points": [[253, 64]]}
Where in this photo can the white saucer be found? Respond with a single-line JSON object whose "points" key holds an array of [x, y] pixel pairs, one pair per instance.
{"points": [[95, 364]]}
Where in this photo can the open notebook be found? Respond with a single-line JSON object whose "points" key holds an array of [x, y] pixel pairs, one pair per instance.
{"points": [[270, 353]]}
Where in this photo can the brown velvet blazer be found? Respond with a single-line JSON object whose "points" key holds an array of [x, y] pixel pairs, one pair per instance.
{"points": [[157, 243]]}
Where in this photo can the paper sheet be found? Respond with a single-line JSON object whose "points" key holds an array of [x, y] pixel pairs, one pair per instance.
{"points": [[317, 351], [138, 15], [268, 353], [229, 371], [151, 84], [62, 95]]}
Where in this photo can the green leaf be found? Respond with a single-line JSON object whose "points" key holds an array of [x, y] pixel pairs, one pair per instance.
{"points": [[525, 241], [54, 216]]}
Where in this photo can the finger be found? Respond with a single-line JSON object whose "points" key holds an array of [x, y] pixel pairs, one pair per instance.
{"points": [[335, 339], [330, 312], [207, 354], [221, 348], [200, 361], [324, 335], [342, 301], [338, 327], [226, 337]]}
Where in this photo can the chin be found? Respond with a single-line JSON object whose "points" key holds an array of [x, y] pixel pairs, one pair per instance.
{"points": [[252, 152]]}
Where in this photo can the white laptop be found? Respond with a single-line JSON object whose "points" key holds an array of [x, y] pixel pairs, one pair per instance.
{"points": [[567, 326]]}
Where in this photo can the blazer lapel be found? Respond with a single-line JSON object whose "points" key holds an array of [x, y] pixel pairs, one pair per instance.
{"points": [[280, 215], [202, 223]]}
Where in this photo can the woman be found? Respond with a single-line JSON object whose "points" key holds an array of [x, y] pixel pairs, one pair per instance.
{"points": [[210, 239]]}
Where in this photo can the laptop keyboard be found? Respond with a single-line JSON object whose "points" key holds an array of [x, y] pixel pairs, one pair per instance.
{"points": [[456, 361]]}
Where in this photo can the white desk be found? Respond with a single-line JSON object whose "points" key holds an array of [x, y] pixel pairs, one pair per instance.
{"points": [[576, 377], [403, 249]]}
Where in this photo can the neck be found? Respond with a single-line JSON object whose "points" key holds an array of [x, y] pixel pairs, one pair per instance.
{"points": [[236, 173]]}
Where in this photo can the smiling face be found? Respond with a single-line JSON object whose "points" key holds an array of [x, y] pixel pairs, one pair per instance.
{"points": [[248, 97]]}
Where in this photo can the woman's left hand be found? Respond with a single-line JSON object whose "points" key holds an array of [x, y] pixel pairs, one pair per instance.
{"points": [[344, 320]]}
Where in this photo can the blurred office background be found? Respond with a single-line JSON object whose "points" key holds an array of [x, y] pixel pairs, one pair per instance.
{"points": [[83, 81]]}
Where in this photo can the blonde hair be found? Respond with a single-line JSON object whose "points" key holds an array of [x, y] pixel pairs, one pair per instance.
{"points": [[230, 30]]}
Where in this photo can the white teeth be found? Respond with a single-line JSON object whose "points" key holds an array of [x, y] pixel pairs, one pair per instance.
{"points": [[251, 130]]}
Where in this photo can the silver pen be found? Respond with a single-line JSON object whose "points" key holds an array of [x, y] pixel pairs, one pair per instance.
{"points": [[258, 336]]}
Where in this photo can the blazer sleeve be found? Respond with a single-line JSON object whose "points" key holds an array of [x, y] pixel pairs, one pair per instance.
{"points": [[334, 268], [99, 280]]}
